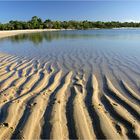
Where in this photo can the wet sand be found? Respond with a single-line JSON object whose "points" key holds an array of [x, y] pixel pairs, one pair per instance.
{"points": [[45, 101]]}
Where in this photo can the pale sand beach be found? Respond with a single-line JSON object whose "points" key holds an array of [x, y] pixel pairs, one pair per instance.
{"points": [[41, 101], [16, 32]]}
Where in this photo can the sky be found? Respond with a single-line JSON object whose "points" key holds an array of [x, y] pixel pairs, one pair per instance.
{"points": [[122, 10]]}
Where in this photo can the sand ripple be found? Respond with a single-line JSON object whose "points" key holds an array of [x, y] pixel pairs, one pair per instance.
{"points": [[52, 100]]}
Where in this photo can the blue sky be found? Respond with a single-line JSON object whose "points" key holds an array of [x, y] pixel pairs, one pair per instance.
{"points": [[64, 10]]}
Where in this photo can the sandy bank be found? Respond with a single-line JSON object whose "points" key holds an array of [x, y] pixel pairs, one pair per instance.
{"points": [[15, 32]]}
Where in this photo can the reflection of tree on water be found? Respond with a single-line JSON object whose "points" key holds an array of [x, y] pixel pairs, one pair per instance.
{"points": [[37, 38]]}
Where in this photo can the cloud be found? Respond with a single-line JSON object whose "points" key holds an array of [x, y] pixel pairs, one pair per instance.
{"points": [[131, 20]]}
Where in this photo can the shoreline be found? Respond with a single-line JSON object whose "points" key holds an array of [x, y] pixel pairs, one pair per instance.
{"points": [[7, 33]]}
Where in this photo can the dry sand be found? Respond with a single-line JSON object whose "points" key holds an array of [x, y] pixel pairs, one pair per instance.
{"points": [[53, 104]]}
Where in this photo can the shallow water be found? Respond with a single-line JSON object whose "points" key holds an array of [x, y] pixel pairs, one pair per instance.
{"points": [[123, 41], [85, 50]]}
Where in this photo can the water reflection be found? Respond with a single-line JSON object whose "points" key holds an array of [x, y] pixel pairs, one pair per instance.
{"points": [[38, 38], [70, 43]]}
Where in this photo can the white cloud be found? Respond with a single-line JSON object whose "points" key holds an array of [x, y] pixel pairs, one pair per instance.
{"points": [[131, 20]]}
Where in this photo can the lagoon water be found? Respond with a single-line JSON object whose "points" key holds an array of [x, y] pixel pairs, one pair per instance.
{"points": [[115, 50], [42, 44], [78, 49]]}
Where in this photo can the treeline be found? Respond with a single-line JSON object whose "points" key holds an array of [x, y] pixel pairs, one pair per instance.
{"points": [[38, 23]]}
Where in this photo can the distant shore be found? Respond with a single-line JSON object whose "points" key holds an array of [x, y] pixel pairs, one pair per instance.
{"points": [[6, 33], [16, 32]]}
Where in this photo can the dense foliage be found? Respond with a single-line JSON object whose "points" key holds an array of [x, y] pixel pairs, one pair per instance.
{"points": [[37, 23]]}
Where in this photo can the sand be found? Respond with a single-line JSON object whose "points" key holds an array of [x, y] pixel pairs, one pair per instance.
{"points": [[16, 32], [39, 103]]}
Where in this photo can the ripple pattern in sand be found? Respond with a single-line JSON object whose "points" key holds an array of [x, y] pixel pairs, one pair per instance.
{"points": [[69, 97]]}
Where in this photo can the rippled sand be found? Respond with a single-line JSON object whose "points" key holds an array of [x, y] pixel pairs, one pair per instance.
{"points": [[91, 98], [42, 101]]}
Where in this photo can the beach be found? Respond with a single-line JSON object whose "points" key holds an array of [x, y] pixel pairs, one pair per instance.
{"points": [[44, 100], [16, 32]]}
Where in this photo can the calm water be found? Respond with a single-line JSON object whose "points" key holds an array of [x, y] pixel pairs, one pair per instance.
{"points": [[42, 44], [77, 49], [111, 53]]}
